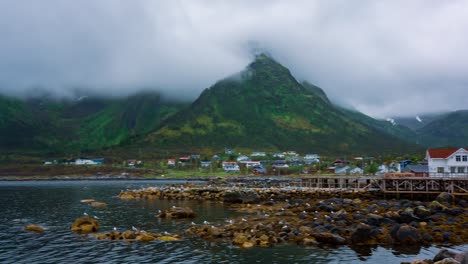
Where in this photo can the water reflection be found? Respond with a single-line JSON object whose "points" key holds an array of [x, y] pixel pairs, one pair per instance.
{"points": [[55, 205]]}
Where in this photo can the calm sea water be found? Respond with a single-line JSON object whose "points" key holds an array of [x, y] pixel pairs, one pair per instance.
{"points": [[56, 204]]}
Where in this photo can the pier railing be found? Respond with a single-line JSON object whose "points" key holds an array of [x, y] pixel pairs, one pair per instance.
{"points": [[413, 185]]}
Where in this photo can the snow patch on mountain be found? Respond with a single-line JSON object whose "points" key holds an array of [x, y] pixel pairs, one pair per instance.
{"points": [[391, 120]]}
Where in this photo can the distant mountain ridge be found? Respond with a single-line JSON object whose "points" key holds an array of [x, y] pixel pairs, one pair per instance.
{"points": [[72, 126], [267, 108], [262, 108]]}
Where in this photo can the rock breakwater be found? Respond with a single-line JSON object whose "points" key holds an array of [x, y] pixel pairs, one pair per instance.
{"points": [[312, 217]]}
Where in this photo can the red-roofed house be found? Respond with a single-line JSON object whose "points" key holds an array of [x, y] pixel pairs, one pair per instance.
{"points": [[447, 162]]}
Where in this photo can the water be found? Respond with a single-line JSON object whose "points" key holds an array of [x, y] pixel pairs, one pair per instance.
{"points": [[56, 204]]}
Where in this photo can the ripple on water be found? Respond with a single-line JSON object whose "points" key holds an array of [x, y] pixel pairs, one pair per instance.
{"points": [[55, 205]]}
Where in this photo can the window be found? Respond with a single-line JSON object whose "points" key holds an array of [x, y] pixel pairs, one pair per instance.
{"points": [[458, 158], [440, 169], [461, 169], [453, 169], [465, 158]]}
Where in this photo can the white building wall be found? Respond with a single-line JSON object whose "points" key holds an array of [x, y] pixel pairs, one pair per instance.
{"points": [[435, 163], [451, 161]]}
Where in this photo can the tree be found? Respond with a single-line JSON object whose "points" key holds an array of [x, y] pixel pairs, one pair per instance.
{"points": [[371, 168]]}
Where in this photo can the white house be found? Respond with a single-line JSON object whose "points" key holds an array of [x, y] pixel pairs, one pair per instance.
{"points": [[258, 154], [85, 162], [311, 156], [243, 158], [447, 162]]}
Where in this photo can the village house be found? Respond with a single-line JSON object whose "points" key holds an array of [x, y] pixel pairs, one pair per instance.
{"points": [[171, 162], [447, 162], [184, 160], [419, 170], [249, 164], [133, 163], [230, 166], [195, 156], [228, 151], [84, 161], [311, 157], [338, 163], [279, 155], [392, 167], [205, 164], [242, 158], [258, 154]]}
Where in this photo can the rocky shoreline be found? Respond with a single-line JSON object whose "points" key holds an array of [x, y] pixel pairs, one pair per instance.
{"points": [[312, 218]]}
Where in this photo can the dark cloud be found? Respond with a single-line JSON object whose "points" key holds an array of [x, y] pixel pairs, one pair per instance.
{"points": [[384, 58]]}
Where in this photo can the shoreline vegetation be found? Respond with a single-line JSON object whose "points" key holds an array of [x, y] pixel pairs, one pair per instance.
{"points": [[30, 172]]}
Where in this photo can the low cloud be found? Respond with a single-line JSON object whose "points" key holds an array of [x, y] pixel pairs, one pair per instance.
{"points": [[385, 58]]}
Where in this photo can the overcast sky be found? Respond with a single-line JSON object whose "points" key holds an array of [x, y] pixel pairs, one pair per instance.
{"points": [[384, 58]]}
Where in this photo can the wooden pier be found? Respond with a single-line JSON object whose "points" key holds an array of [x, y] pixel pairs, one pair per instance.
{"points": [[413, 185]]}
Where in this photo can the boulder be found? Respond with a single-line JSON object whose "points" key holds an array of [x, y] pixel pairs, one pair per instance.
{"points": [[238, 197], [462, 258], [240, 239], [247, 244], [463, 203], [422, 212], [177, 213], [373, 219], [98, 204], [447, 261], [329, 238], [326, 207], [445, 197], [436, 206], [129, 235], [443, 254], [361, 234], [407, 217], [85, 225], [34, 228], [419, 261], [408, 235], [309, 241], [454, 211], [126, 195], [168, 238], [145, 237]]}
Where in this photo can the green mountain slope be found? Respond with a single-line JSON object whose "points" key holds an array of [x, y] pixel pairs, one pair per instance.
{"points": [[398, 131], [317, 91], [19, 126], [265, 107], [413, 124], [451, 130], [50, 126], [401, 132]]}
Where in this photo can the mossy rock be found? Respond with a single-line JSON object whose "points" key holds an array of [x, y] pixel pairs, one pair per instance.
{"points": [[85, 225], [168, 238], [145, 237], [98, 204], [177, 213], [34, 228]]}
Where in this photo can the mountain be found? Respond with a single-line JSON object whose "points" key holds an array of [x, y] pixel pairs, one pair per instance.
{"points": [[19, 125], [394, 129], [265, 107], [317, 91], [47, 125], [419, 121], [450, 130]]}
